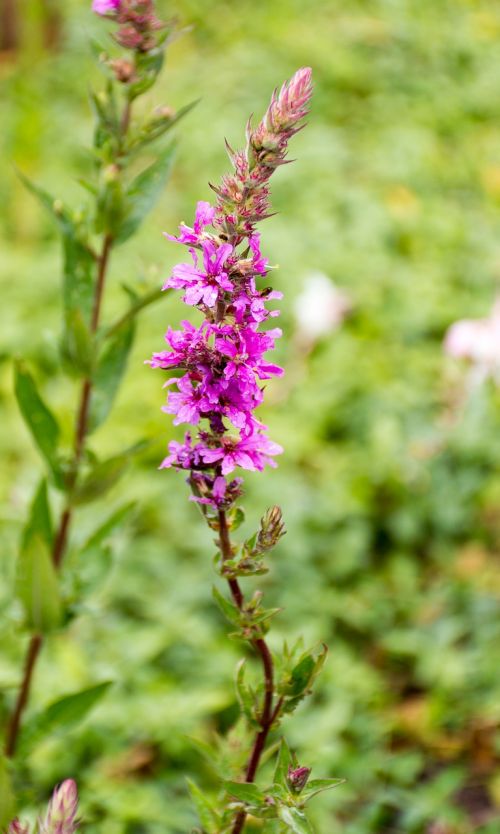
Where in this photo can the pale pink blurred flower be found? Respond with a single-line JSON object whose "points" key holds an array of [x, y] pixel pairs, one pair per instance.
{"points": [[105, 6], [477, 340], [61, 813], [320, 308]]}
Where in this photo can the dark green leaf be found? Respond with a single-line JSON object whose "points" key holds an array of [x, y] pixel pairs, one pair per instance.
{"points": [[245, 791], [143, 193], [38, 418], [108, 374], [206, 812], [36, 585], [295, 819]]}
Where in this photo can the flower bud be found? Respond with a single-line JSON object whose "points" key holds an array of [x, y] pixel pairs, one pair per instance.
{"points": [[17, 828], [271, 530], [61, 813], [297, 778]]}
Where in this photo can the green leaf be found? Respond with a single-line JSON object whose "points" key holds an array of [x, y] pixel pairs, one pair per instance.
{"points": [[40, 521], [106, 528], [295, 819], [206, 812], [230, 611], [39, 419], [283, 763], [104, 475], [245, 791], [36, 585], [245, 695], [6, 794], [236, 518], [109, 372], [143, 193], [77, 346], [315, 786], [79, 262], [64, 713]]}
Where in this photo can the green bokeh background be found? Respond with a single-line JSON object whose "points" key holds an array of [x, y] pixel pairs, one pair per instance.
{"points": [[390, 479]]}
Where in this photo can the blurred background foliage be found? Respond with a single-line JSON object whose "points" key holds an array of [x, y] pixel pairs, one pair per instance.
{"points": [[390, 480]]}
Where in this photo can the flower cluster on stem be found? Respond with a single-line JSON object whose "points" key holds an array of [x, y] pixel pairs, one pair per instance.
{"points": [[222, 361]]}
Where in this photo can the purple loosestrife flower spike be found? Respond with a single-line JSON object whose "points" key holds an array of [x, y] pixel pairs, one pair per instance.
{"points": [[61, 813], [222, 362]]}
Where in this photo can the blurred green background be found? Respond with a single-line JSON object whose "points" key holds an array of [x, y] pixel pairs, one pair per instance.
{"points": [[390, 478]]}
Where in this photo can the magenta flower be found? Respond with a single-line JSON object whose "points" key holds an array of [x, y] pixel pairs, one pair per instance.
{"points": [[104, 7], [203, 286], [225, 359]]}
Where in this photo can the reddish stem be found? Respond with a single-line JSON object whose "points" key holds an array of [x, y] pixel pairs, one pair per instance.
{"points": [[268, 715], [61, 537]]}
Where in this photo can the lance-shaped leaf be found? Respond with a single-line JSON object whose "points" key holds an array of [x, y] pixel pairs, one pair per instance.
{"points": [[79, 261], [143, 193], [104, 475], [301, 678], [246, 696], [230, 611], [246, 792], [109, 372], [40, 521], [295, 819], [77, 346], [36, 585], [315, 786], [207, 813], [283, 762], [63, 714], [107, 527], [6, 794], [39, 419]]}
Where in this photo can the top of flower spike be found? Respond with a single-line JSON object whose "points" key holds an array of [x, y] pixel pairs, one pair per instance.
{"points": [[291, 104]]}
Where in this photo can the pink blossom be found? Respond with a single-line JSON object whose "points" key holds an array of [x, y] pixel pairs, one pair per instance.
{"points": [[477, 340], [204, 217], [61, 813], [104, 7], [203, 286]]}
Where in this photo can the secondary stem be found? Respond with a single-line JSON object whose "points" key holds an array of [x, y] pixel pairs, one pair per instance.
{"points": [[268, 715], [61, 537]]}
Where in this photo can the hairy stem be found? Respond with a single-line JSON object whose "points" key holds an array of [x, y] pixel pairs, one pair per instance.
{"points": [[61, 537], [268, 715]]}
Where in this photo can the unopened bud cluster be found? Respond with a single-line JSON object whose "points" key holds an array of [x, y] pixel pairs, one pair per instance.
{"points": [[137, 21], [61, 813]]}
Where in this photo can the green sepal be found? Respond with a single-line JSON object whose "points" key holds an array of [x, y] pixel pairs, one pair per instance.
{"points": [[108, 374], [39, 419], [207, 813]]}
